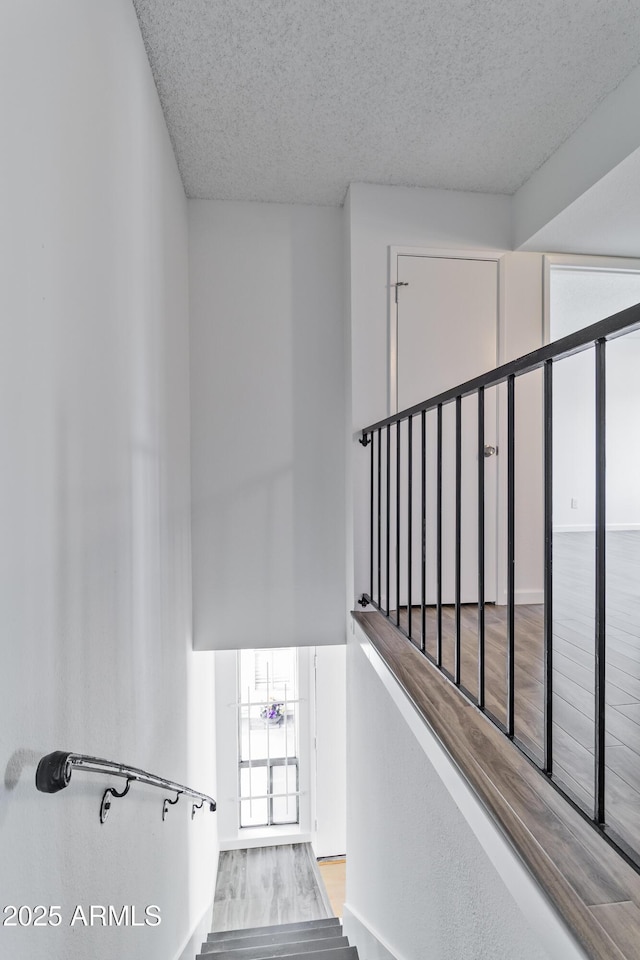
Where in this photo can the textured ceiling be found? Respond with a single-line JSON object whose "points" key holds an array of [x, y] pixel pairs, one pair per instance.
{"points": [[291, 100]]}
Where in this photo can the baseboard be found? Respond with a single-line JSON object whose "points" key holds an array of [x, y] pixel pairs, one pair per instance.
{"points": [[324, 896], [529, 596], [590, 527], [198, 935], [362, 935], [247, 840], [522, 597]]}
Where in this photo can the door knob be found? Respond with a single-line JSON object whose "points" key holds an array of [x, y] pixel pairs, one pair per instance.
{"points": [[489, 450]]}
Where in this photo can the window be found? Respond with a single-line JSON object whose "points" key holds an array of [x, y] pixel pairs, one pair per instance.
{"points": [[268, 737]]}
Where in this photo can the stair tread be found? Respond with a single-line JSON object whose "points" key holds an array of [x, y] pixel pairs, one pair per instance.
{"points": [[272, 928], [334, 953], [273, 937], [265, 952]]}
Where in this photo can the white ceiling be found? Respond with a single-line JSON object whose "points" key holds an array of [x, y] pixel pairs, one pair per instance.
{"points": [[291, 100]]}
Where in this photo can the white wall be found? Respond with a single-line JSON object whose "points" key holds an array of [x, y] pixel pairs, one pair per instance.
{"points": [[428, 872], [267, 392], [330, 730], [521, 331], [563, 198], [94, 487], [226, 726], [348, 440]]}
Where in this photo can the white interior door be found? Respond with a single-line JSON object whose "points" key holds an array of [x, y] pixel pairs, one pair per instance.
{"points": [[447, 322]]}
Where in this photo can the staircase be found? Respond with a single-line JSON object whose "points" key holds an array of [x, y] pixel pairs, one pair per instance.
{"points": [[308, 940]]}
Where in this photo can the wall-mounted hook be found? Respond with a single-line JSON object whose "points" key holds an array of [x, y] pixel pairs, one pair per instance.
{"points": [[196, 806], [105, 806], [167, 803]]}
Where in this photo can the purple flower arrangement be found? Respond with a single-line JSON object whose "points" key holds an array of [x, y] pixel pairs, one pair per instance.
{"points": [[273, 712]]}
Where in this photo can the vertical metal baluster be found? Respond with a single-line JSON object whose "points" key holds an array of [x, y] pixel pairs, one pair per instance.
{"points": [[398, 523], [388, 515], [379, 514], [600, 605], [511, 497], [371, 527], [423, 528], [439, 539], [481, 589], [409, 517], [458, 559], [548, 567]]}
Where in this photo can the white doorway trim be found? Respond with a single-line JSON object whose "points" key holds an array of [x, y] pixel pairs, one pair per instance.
{"points": [[455, 254]]}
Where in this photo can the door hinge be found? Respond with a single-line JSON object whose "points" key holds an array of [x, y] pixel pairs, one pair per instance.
{"points": [[400, 283]]}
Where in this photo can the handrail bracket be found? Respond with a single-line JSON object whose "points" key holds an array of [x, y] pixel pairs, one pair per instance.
{"points": [[105, 806]]}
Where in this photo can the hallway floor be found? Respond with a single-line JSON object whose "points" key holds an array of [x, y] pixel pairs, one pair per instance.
{"points": [[261, 886], [334, 876]]}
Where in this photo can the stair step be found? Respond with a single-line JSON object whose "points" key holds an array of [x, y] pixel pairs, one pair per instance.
{"points": [[273, 928], [266, 939], [336, 953], [298, 948]]}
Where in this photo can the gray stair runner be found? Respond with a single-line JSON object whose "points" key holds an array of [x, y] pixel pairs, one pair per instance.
{"points": [[310, 940]]}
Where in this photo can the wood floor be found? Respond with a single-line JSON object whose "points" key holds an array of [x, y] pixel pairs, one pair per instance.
{"points": [[334, 876], [262, 886], [573, 675]]}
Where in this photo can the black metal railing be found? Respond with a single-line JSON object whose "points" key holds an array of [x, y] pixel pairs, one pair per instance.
{"points": [[392, 571], [55, 769]]}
